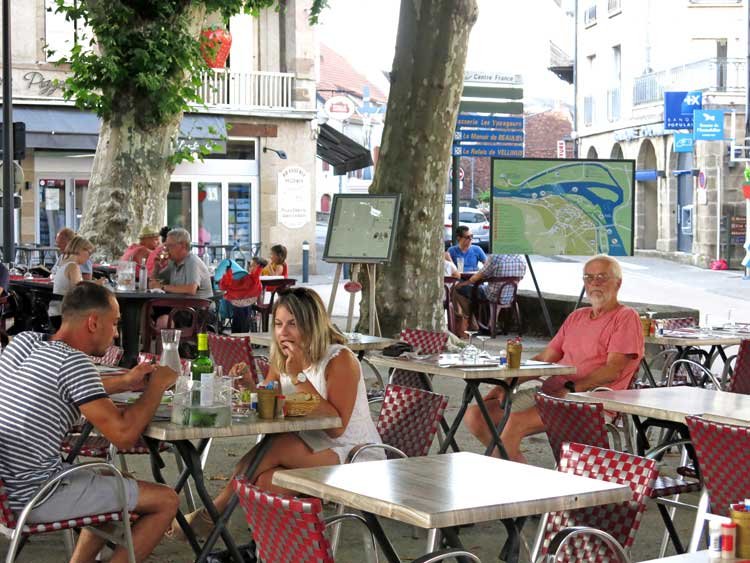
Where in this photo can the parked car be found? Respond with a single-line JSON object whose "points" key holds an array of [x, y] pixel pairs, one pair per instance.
{"points": [[472, 218]]}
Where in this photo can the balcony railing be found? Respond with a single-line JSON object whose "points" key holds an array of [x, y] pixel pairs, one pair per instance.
{"points": [[247, 89], [713, 75], [588, 110], [613, 104]]}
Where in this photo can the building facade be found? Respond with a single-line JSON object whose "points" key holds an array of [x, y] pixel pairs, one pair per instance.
{"points": [[264, 99], [629, 53]]}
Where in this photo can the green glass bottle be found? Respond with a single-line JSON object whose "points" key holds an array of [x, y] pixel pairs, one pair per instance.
{"points": [[201, 364]]}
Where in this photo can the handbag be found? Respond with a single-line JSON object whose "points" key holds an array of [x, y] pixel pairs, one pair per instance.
{"points": [[396, 349]]}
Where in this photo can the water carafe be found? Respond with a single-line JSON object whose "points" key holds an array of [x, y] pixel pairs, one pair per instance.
{"points": [[125, 275], [170, 354]]}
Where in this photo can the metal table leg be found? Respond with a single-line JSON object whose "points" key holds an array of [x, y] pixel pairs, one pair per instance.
{"points": [[383, 542], [465, 400]]}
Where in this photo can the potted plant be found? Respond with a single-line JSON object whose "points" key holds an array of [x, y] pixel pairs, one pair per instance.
{"points": [[215, 44]]}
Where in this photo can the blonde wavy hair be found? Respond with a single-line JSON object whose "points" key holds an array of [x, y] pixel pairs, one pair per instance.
{"points": [[313, 323], [76, 245]]}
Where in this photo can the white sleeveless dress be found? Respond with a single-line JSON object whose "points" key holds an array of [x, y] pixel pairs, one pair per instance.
{"points": [[361, 428]]}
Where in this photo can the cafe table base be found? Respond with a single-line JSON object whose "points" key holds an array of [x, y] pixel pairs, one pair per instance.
{"points": [[191, 457]]}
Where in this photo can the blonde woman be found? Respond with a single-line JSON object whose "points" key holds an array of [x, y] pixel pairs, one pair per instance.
{"points": [[68, 274], [307, 356]]}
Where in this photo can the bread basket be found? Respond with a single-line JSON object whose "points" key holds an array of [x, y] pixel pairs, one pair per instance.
{"points": [[301, 404]]}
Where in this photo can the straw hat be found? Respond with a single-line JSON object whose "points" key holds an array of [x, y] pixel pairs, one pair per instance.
{"points": [[148, 232]]}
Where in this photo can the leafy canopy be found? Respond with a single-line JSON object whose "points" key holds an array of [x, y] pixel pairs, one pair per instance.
{"points": [[144, 56]]}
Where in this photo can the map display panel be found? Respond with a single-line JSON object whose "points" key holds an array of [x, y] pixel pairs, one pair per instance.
{"points": [[361, 228], [552, 207]]}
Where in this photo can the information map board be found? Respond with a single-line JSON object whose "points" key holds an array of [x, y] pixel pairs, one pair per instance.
{"points": [[361, 228], [551, 207]]}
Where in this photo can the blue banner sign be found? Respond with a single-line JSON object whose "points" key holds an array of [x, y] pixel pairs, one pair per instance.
{"points": [[683, 142], [488, 136], [489, 122], [679, 107], [500, 150], [709, 124]]}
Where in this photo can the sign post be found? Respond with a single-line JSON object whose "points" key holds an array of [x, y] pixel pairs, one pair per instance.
{"points": [[746, 193]]}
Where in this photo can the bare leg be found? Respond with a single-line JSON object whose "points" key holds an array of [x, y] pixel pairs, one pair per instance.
{"points": [[474, 420], [520, 424], [287, 451], [157, 505]]}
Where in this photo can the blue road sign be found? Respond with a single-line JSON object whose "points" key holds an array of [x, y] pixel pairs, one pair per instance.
{"points": [[683, 142], [708, 124], [490, 136], [500, 150], [679, 107], [503, 123]]}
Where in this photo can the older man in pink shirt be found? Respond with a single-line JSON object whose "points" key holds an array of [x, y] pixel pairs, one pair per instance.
{"points": [[604, 342]]}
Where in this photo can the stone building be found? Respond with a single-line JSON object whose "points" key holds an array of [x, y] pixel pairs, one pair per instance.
{"points": [[264, 99]]}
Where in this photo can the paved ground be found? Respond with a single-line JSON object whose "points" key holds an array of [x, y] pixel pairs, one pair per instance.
{"points": [[646, 279]]}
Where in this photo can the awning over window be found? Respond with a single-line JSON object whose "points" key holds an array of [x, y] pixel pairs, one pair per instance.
{"points": [[73, 129], [341, 152]]}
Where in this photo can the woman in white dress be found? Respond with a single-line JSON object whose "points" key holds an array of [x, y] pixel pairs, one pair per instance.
{"points": [[307, 356]]}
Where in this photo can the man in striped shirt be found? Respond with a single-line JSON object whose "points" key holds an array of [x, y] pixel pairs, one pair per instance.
{"points": [[47, 385]]}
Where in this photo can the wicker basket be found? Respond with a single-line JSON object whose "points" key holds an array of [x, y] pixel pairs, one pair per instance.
{"points": [[301, 408]]}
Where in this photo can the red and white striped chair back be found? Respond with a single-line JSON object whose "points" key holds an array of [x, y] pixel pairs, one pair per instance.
{"points": [[620, 520], [679, 322], [739, 380], [228, 351], [427, 341], [111, 357], [285, 529], [409, 419]]}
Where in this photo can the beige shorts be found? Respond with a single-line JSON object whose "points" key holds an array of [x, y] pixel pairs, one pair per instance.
{"points": [[523, 398]]}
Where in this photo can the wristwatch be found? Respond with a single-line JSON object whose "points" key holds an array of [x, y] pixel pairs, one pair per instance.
{"points": [[570, 386], [300, 378]]}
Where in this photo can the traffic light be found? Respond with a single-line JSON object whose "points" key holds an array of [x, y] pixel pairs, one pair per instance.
{"points": [[19, 140]]}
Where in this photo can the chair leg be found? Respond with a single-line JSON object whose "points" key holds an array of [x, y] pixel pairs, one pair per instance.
{"points": [[700, 520], [539, 537], [69, 541], [670, 529], [336, 530]]}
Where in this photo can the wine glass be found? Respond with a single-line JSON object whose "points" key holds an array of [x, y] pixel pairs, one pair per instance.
{"points": [[483, 338], [470, 351]]}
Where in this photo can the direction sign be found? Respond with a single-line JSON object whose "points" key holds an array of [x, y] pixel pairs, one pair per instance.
{"points": [[708, 124], [504, 123], [500, 150], [683, 142], [488, 136]]}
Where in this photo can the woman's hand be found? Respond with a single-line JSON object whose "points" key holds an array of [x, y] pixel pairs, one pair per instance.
{"points": [[295, 358]]}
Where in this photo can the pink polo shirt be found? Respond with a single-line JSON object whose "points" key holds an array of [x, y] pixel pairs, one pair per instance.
{"points": [[585, 343]]}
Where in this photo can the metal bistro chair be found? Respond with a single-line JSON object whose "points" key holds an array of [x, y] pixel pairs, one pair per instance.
{"points": [[423, 342], [723, 452], [227, 351], [621, 521], [193, 308], [448, 283], [290, 529], [493, 308], [408, 421], [111, 357], [270, 287], [574, 421], [17, 530]]}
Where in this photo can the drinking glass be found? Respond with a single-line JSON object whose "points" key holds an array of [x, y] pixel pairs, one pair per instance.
{"points": [[483, 338], [470, 352], [460, 265], [707, 322], [730, 318], [170, 355]]}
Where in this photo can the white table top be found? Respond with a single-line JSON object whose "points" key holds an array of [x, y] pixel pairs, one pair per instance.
{"points": [[450, 489], [365, 342], [697, 557], [168, 431], [669, 403], [697, 337], [490, 371]]}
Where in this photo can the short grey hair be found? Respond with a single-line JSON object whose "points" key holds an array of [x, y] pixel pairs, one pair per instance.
{"points": [[614, 265], [180, 235]]}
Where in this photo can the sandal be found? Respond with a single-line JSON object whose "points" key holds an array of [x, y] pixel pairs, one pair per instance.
{"points": [[199, 521]]}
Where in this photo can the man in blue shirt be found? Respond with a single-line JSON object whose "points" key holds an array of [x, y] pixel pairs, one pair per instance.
{"points": [[471, 254]]}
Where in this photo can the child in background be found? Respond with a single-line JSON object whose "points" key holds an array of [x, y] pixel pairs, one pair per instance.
{"points": [[277, 266], [242, 291]]}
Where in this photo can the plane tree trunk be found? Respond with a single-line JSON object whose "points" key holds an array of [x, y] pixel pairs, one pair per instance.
{"points": [[426, 86]]}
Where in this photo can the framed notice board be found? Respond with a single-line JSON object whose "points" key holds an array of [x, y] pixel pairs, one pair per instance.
{"points": [[361, 228]]}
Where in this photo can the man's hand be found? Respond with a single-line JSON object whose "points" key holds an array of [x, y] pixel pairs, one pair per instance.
{"points": [[163, 377], [154, 284], [136, 377]]}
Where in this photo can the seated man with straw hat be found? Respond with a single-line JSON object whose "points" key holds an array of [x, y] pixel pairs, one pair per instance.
{"points": [[148, 240]]}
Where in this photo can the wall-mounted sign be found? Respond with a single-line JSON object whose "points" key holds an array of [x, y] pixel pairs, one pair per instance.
{"points": [[679, 107], [683, 142], [708, 124], [339, 108], [293, 198]]}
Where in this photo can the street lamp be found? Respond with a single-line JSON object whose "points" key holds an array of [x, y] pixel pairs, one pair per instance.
{"points": [[281, 154]]}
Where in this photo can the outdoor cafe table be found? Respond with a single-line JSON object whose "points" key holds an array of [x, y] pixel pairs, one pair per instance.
{"points": [[670, 404], [684, 339], [444, 491], [190, 453], [491, 373]]}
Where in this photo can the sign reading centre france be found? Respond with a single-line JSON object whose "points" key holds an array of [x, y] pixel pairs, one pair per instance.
{"points": [[679, 107], [708, 124]]}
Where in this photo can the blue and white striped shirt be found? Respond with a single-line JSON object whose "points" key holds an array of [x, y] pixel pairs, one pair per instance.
{"points": [[43, 385]]}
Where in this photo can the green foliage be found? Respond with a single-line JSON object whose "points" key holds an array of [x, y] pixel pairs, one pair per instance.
{"points": [[144, 56]]}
